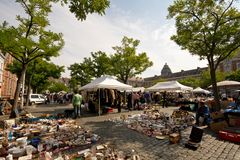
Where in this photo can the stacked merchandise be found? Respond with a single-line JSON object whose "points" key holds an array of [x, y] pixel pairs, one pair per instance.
{"points": [[49, 138], [231, 133], [155, 124], [20, 139], [218, 121]]}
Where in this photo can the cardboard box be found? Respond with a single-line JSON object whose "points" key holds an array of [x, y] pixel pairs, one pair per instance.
{"points": [[235, 122], [217, 115], [217, 126], [174, 138]]}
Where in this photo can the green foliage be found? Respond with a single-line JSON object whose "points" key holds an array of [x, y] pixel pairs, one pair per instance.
{"points": [[234, 76], [206, 78], [94, 66], [159, 80], [100, 64], [209, 29], [190, 81], [44, 70], [81, 8], [30, 39], [57, 87], [206, 28], [39, 71], [126, 62], [81, 73], [74, 84]]}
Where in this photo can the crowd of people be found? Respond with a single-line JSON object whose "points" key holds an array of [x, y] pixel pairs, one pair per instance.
{"points": [[137, 101], [59, 98]]}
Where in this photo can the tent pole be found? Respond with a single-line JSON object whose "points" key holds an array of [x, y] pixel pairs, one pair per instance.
{"points": [[99, 102]]}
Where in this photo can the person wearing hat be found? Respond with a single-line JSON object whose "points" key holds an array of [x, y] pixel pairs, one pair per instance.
{"points": [[202, 114]]}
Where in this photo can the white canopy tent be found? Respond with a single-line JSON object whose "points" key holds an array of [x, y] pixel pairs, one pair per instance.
{"points": [[227, 88], [200, 90], [227, 83], [169, 86], [105, 82], [136, 89]]}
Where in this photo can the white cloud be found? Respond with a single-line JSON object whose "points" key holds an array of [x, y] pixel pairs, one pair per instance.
{"points": [[101, 33], [104, 32]]}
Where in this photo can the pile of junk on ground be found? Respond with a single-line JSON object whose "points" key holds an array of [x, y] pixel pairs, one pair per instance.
{"points": [[154, 123], [226, 122], [50, 138], [160, 125]]}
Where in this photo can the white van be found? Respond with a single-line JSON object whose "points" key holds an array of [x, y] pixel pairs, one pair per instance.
{"points": [[36, 99]]}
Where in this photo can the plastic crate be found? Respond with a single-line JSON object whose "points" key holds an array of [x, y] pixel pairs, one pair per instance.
{"points": [[230, 136]]}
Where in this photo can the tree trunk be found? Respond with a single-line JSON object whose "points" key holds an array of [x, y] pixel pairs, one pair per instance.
{"points": [[28, 90], [14, 111], [23, 90], [29, 83], [214, 88]]}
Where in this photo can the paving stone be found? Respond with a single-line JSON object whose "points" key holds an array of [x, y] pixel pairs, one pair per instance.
{"points": [[150, 148]]}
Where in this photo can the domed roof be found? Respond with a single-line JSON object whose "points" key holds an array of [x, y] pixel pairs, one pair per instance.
{"points": [[166, 71]]}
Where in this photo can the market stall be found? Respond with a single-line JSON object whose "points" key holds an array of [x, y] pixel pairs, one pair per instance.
{"points": [[103, 82], [169, 86], [173, 92], [227, 88], [50, 138], [201, 91]]}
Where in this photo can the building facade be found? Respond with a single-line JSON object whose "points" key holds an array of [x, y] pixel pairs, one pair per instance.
{"points": [[9, 80], [135, 81], [166, 75], [2, 58], [229, 65]]}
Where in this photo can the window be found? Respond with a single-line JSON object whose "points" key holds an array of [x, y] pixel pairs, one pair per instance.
{"points": [[238, 65], [34, 96], [227, 66]]}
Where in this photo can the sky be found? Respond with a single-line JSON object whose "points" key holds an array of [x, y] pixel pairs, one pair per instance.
{"points": [[144, 20]]}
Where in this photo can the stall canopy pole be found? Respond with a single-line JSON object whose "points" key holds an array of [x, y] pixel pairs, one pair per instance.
{"points": [[99, 101]]}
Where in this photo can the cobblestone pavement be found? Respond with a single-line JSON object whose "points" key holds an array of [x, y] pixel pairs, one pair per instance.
{"points": [[150, 148]]}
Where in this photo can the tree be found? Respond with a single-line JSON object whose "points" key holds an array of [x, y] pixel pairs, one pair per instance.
{"points": [[234, 76], [80, 73], [206, 78], [37, 74], [44, 70], [92, 67], [55, 87], [190, 81], [209, 29], [100, 64], [126, 62], [81, 8], [31, 40], [73, 84]]}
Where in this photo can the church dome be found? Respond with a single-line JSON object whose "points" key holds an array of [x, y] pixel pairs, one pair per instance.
{"points": [[166, 71]]}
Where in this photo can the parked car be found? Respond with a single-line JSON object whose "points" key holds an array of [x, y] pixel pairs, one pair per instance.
{"points": [[37, 99]]}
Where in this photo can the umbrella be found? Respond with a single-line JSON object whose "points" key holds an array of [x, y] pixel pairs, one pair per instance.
{"points": [[200, 90], [227, 83]]}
